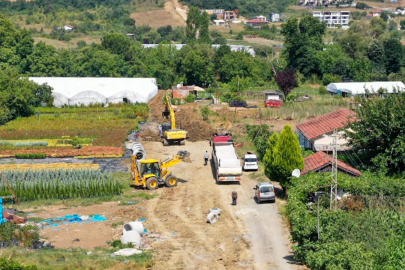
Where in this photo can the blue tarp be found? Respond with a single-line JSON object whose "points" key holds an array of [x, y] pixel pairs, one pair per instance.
{"points": [[2, 220], [54, 222]]}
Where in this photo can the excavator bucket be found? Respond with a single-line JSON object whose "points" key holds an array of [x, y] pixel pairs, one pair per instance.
{"points": [[185, 156]]}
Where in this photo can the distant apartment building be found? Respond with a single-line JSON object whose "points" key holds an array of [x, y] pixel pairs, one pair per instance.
{"points": [[275, 17], [333, 18]]}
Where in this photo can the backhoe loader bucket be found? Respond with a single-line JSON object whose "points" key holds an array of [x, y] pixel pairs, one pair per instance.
{"points": [[185, 156]]}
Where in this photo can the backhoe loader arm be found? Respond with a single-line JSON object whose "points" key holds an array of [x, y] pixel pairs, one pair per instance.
{"points": [[182, 156], [169, 109]]}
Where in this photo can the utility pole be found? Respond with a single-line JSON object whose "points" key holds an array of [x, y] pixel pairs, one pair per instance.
{"points": [[334, 184]]}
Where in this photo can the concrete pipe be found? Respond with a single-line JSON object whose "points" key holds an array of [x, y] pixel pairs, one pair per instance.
{"points": [[138, 150], [212, 218], [134, 226], [131, 237], [216, 210]]}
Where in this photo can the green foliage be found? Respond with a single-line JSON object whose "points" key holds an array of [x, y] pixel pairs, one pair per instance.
{"points": [[393, 55], [8, 264], [59, 184], [239, 36], [348, 238], [190, 98], [286, 157], [269, 156], [197, 26], [330, 78], [11, 233], [247, 8], [322, 90], [30, 156], [259, 135], [302, 41], [119, 245], [205, 113], [377, 137]]}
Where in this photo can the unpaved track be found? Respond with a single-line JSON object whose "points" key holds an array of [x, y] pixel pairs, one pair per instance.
{"points": [[247, 236]]}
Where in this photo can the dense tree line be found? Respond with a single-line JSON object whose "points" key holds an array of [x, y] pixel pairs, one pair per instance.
{"points": [[365, 52], [116, 56], [246, 7]]}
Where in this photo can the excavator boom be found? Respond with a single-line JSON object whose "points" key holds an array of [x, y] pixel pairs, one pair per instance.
{"points": [[171, 134]]}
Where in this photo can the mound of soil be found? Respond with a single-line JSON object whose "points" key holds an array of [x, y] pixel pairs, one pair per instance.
{"points": [[188, 117]]}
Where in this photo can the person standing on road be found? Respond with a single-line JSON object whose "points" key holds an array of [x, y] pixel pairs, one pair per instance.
{"points": [[234, 197], [206, 157]]}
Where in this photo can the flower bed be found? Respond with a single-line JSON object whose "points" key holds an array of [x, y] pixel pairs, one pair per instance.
{"points": [[52, 166], [87, 151]]}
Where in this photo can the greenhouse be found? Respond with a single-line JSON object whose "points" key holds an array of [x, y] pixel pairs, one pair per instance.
{"points": [[361, 88], [85, 91]]}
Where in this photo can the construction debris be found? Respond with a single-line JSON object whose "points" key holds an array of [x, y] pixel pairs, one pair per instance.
{"points": [[127, 252]]}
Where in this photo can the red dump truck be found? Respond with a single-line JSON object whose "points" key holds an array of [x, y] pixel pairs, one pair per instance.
{"points": [[227, 166]]}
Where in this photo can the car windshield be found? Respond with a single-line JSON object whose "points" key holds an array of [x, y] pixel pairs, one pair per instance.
{"points": [[250, 159], [266, 189]]}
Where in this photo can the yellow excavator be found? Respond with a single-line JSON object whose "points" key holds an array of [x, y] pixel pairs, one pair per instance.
{"points": [[171, 135], [150, 173]]}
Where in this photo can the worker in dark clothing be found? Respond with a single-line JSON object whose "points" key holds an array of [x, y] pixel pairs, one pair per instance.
{"points": [[206, 157], [234, 197]]}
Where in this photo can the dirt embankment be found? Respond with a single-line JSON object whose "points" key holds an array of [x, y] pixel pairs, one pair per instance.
{"points": [[188, 117]]}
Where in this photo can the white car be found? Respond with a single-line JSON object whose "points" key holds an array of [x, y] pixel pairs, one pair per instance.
{"points": [[251, 163]]}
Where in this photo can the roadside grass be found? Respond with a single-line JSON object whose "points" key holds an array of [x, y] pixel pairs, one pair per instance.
{"points": [[129, 194], [49, 259], [116, 224]]}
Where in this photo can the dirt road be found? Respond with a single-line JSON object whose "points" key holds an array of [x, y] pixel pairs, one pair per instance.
{"points": [[247, 236]]}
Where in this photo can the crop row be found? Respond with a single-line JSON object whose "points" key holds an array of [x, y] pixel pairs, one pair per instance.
{"points": [[52, 166], [87, 151], [102, 129], [30, 185]]}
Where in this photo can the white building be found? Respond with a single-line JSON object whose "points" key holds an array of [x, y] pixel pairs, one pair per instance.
{"points": [[219, 22], [333, 18], [275, 17], [361, 88], [85, 91], [234, 48]]}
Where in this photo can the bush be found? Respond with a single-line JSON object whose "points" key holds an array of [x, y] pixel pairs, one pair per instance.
{"points": [[190, 98], [330, 78], [239, 36], [322, 90], [259, 135], [30, 156], [205, 112], [6, 263]]}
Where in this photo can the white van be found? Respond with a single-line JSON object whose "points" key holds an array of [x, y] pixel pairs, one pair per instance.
{"points": [[265, 192], [250, 163]]}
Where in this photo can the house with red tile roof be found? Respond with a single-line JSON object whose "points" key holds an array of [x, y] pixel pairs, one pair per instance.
{"points": [[322, 162], [316, 133]]}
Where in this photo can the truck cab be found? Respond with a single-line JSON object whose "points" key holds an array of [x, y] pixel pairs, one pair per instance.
{"points": [[265, 192], [250, 162], [273, 98]]}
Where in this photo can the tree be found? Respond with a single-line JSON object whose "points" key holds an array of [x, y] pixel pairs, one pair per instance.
{"points": [[116, 43], [204, 36], [269, 156], [377, 135], [393, 55], [402, 24], [286, 157], [302, 41], [376, 54], [193, 23], [286, 80]]}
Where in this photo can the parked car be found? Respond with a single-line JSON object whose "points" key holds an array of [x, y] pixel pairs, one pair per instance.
{"points": [[265, 192], [250, 162]]}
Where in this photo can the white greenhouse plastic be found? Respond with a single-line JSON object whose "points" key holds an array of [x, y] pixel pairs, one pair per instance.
{"points": [[85, 91], [359, 88]]}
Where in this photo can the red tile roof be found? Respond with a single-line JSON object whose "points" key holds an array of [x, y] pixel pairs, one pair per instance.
{"points": [[325, 124], [320, 159]]}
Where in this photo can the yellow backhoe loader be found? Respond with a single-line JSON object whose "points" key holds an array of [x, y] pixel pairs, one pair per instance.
{"points": [[150, 173], [171, 135]]}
